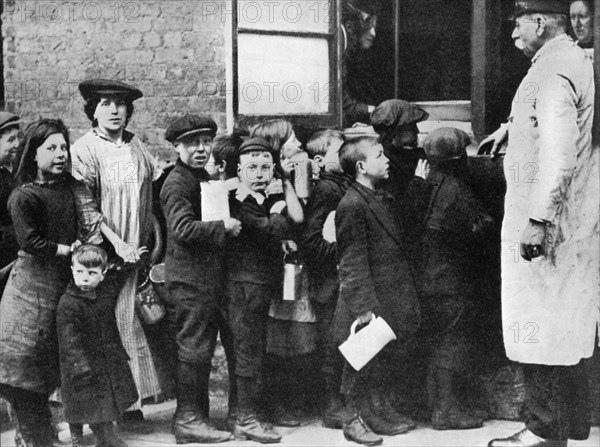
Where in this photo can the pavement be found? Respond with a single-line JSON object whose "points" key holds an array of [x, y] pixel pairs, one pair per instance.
{"points": [[312, 433]]}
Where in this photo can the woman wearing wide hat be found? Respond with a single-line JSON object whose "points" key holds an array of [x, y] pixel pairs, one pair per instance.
{"points": [[119, 171]]}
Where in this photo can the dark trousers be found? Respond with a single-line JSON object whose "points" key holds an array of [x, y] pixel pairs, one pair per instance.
{"points": [[443, 338], [557, 401], [248, 313], [379, 373], [195, 321], [197, 317], [328, 356]]}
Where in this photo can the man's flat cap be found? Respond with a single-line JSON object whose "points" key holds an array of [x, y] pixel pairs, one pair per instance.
{"points": [[541, 6], [8, 119], [101, 87], [446, 143], [395, 113], [256, 144], [189, 125]]}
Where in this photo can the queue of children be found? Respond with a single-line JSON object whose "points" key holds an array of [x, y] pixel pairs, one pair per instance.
{"points": [[224, 278]]}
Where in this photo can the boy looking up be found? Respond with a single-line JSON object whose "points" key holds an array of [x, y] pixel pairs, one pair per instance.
{"points": [[375, 279]]}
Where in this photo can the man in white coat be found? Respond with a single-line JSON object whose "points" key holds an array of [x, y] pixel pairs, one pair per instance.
{"points": [[550, 237]]}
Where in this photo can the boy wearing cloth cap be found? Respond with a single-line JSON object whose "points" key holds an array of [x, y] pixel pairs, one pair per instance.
{"points": [[453, 243], [254, 273], [194, 272], [375, 279]]}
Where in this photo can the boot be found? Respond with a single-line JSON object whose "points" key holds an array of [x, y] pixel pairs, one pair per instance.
{"points": [[354, 427], [106, 436], [376, 420], [381, 402], [76, 434], [447, 412], [247, 426], [189, 427]]}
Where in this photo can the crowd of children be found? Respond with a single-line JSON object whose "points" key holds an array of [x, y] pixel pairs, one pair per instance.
{"points": [[399, 249]]}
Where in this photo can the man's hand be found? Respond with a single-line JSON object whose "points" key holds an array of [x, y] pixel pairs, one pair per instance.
{"points": [[496, 139], [532, 240], [365, 317], [232, 226], [75, 245]]}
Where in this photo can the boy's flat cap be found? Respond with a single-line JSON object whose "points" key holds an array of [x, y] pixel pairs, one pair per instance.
{"points": [[8, 119], [395, 113], [446, 143], [101, 87], [255, 144], [189, 125]]}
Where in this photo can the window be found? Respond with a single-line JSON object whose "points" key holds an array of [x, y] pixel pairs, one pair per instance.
{"points": [[286, 62]]}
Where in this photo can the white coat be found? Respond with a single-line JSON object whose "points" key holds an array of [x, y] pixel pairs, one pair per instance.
{"points": [[551, 307]]}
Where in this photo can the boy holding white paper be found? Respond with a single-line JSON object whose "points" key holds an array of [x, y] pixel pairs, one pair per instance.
{"points": [[195, 278], [375, 279]]}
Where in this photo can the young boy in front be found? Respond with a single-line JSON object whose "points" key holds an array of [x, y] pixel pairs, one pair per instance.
{"points": [[321, 262], [96, 382], [375, 279], [194, 271], [254, 274]]}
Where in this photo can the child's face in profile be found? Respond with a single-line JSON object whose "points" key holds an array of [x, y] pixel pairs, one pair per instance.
{"points": [[256, 170], [376, 165], [87, 278]]}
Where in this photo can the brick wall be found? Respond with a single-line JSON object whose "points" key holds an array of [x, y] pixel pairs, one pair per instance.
{"points": [[173, 50]]}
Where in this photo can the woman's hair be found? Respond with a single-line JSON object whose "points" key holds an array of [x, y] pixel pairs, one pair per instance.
{"points": [[90, 256], [33, 137], [92, 102], [226, 148], [276, 132]]}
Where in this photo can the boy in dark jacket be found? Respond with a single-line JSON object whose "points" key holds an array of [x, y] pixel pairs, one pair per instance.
{"points": [[96, 382], [375, 279], [321, 262], [194, 272], [254, 273], [456, 228]]}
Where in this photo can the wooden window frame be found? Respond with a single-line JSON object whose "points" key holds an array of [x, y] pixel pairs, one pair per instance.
{"points": [[331, 119]]}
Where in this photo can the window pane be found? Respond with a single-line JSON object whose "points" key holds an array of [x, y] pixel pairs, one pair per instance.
{"points": [[304, 15], [282, 75]]}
